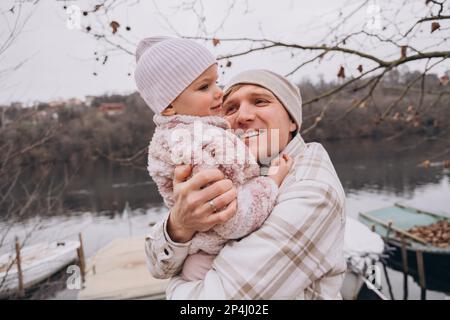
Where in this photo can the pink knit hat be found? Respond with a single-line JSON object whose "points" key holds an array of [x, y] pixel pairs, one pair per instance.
{"points": [[166, 66]]}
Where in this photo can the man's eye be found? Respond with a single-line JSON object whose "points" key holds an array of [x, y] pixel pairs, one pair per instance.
{"points": [[204, 87], [260, 101], [230, 110]]}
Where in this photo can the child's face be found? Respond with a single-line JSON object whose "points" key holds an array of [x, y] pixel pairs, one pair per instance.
{"points": [[202, 98]]}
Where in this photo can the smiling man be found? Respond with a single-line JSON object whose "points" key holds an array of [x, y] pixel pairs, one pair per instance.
{"points": [[298, 252]]}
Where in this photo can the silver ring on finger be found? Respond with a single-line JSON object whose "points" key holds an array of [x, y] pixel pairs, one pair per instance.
{"points": [[212, 205]]}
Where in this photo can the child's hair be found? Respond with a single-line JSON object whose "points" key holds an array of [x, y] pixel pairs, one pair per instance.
{"points": [[166, 66], [169, 111]]}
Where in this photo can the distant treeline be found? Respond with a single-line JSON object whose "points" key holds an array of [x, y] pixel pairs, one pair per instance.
{"points": [[423, 110], [84, 133]]}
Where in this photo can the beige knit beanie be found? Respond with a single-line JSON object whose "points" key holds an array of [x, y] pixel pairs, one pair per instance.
{"points": [[285, 91]]}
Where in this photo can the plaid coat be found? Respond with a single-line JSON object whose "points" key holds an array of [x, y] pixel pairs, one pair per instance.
{"points": [[296, 254]]}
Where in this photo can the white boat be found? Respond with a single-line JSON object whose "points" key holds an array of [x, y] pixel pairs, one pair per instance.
{"points": [[362, 250], [38, 262]]}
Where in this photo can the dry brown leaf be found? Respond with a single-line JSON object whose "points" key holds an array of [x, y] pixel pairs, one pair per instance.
{"points": [[403, 52], [215, 42], [114, 25], [341, 73], [434, 26], [396, 116]]}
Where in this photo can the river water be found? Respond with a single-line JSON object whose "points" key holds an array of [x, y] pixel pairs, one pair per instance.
{"points": [[374, 174]]}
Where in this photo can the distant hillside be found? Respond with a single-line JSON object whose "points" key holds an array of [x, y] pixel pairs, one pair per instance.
{"points": [[85, 132], [413, 113]]}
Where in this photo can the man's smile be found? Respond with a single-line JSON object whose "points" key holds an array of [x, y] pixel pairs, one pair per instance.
{"points": [[251, 133]]}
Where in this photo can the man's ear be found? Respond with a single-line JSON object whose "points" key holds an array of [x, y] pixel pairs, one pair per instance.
{"points": [[292, 125]]}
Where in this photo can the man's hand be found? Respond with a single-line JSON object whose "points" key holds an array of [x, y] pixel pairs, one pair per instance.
{"points": [[192, 211]]}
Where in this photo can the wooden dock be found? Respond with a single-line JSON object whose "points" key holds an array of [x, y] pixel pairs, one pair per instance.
{"points": [[119, 271]]}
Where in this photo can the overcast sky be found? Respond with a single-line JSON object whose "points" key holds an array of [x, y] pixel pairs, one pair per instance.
{"points": [[61, 58]]}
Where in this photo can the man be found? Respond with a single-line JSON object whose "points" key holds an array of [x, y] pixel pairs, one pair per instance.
{"points": [[297, 252]]}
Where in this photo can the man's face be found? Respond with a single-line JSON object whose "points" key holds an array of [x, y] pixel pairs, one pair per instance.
{"points": [[255, 109]]}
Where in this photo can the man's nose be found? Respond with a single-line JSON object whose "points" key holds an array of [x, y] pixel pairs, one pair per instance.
{"points": [[245, 114]]}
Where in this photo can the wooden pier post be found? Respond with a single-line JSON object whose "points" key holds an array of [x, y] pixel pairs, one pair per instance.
{"points": [[405, 268], [389, 228], [81, 258], [388, 280], [21, 289], [421, 272]]}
